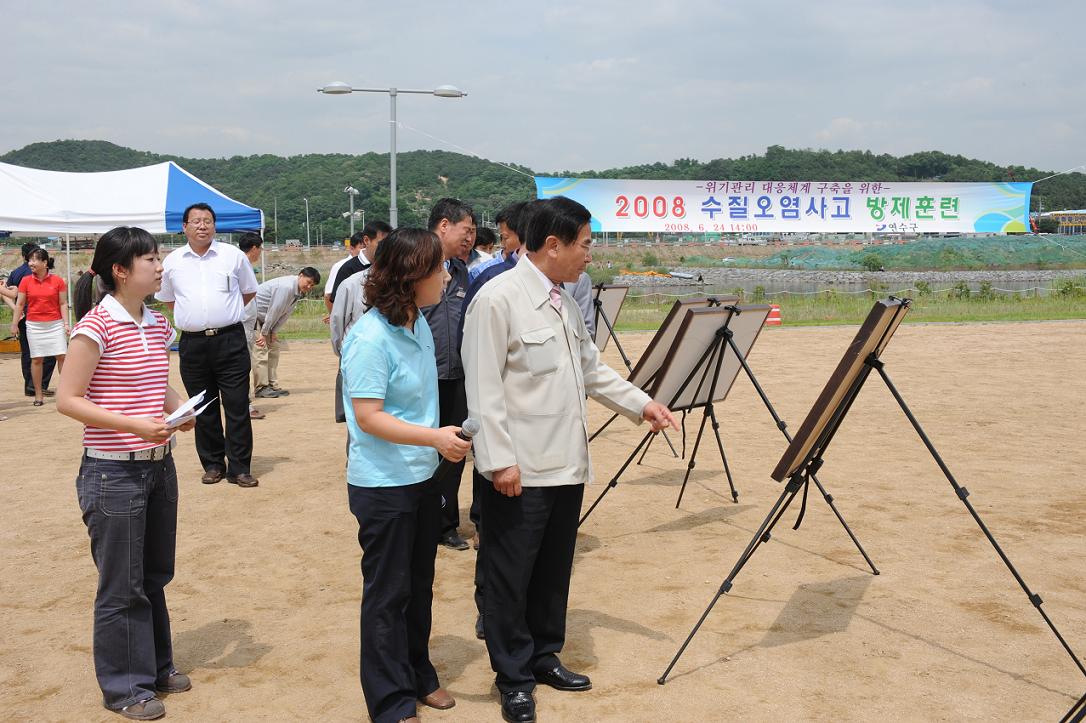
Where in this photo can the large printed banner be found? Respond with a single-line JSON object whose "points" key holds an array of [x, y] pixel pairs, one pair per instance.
{"points": [[796, 206]]}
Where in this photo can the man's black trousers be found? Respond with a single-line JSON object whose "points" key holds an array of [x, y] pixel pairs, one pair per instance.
{"points": [[220, 364], [48, 364], [528, 544], [452, 410]]}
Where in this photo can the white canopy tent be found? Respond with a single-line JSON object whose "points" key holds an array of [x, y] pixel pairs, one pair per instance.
{"points": [[153, 198]]}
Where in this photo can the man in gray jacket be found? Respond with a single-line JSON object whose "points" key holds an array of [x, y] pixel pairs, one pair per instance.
{"points": [[524, 330], [271, 307]]}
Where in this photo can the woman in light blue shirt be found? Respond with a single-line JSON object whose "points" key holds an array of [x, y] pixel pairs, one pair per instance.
{"points": [[390, 398]]}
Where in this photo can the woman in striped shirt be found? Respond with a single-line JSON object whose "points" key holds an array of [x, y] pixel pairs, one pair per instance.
{"points": [[115, 383]]}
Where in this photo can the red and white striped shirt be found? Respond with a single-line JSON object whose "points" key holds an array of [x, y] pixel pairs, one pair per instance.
{"points": [[132, 373]]}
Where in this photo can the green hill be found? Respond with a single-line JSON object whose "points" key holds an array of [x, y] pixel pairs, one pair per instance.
{"points": [[277, 184]]}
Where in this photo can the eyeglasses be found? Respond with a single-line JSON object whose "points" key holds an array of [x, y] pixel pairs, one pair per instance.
{"points": [[200, 223]]}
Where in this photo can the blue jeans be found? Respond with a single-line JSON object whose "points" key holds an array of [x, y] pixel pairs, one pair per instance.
{"points": [[130, 509]]}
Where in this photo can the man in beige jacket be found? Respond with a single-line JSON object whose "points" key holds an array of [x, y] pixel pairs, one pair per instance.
{"points": [[525, 330]]}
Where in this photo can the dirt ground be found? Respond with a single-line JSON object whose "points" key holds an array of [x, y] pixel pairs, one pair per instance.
{"points": [[265, 599]]}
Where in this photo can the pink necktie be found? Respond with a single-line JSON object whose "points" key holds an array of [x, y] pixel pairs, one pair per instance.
{"points": [[556, 298]]}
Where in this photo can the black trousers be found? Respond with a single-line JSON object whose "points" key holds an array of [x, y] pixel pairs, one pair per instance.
{"points": [[479, 486], [452, 410], [220, 364], [398, 533], [48, 364], [529, 543]]}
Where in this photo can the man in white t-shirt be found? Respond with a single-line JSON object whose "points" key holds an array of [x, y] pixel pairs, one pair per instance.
{"points": [[207, 285], [356, 243]]}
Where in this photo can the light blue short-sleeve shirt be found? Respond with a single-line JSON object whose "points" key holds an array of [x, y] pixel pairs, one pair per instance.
{"points": [[382, 361]]}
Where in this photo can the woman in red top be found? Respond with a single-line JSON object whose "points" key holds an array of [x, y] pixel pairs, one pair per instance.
{"points": [[41, 294], [116, 384]]}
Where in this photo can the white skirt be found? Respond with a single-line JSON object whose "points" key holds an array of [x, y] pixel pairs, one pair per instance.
{"points": [[46, 338]]}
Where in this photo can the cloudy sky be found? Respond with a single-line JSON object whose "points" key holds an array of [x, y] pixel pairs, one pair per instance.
{"points": [[562, 85]]}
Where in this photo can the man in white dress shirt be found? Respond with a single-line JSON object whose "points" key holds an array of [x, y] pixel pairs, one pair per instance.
{"points": [[207, 285]]}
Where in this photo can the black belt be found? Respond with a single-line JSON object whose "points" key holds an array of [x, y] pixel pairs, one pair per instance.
{"points": [[214, 332]]}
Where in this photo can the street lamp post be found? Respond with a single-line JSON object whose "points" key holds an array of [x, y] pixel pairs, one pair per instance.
{"points": [[442, 91], [306, 223], [351, 192]]}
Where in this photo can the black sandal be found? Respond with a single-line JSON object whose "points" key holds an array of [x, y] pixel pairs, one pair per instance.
{"points": [[38, 403]]}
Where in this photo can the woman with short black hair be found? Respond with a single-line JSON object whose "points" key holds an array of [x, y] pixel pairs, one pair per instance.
{"points": [[115, 383]]}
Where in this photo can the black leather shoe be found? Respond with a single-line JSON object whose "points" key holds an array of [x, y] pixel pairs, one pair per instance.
{"points": [[454, 541], [243, 480], [560, 678], [518, 707]]}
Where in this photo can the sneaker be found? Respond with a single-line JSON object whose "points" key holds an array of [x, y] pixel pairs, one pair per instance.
{"points": [[148, 709], [174, 683], [266, 393], [282, 392]]}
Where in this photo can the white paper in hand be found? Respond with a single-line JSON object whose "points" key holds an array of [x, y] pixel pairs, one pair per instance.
{"points": [[187, 411]]}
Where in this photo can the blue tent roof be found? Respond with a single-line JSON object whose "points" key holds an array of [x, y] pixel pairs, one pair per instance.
{"points": [[183, 189]]}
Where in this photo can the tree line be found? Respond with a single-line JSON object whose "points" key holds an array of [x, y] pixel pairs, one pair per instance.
{"points": [[278, 184]]}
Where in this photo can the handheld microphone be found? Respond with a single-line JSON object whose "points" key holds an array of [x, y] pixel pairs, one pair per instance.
{"points": [[468, 429]]}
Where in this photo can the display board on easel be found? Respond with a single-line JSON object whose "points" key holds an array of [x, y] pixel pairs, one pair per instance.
{"points": [[608, 303]]}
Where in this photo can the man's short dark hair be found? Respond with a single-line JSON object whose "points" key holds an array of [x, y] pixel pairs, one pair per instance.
{"points": [[27, 248], [452, 209], [373, 228], [558, 216], [198, 206], [357, 239], [250, 240], [524, 219], [510, 215], [485, 237], [311, 273]]}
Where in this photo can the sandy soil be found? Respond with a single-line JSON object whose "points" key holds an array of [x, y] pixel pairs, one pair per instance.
{"points": [[265, 600]]}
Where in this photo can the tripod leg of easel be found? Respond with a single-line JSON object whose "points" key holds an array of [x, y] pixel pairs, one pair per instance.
{"points": [[645, 451], [784, 430], [723, 457], [614, 480], [1077, 713], [963, 495], [667, 439], [762, 535], [693, 456], [829, 500], [605, 426]]}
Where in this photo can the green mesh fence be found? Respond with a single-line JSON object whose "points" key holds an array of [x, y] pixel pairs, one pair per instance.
{"points": [[1022, 252]]}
